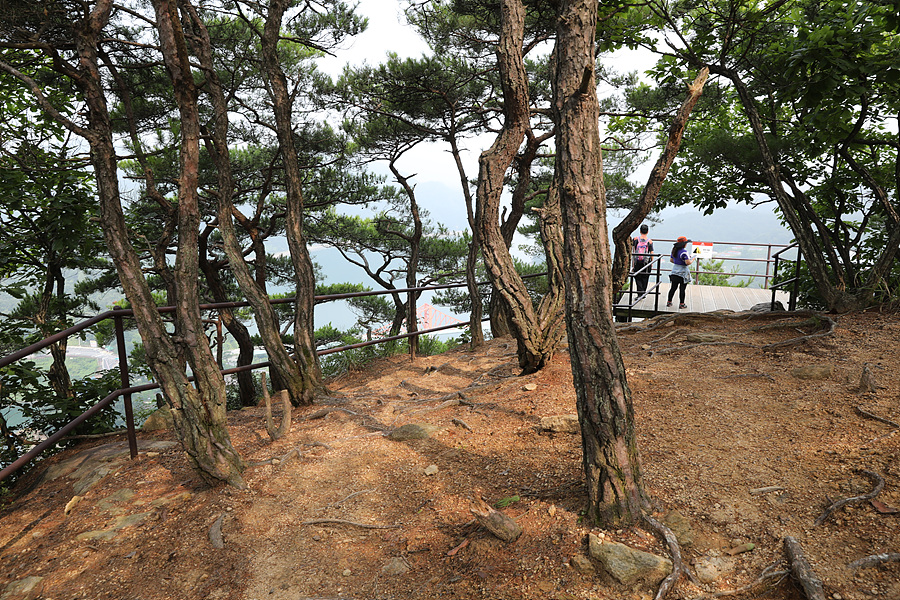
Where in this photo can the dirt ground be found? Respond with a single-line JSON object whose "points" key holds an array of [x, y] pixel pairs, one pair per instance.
{"points": [[747, 440]]}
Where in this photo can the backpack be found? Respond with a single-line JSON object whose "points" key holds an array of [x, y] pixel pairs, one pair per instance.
{"points": [[641, 250]]}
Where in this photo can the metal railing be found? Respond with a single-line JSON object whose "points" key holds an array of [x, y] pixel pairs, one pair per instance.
{"points": [[630, 297], [125, 392], [793, 282]]}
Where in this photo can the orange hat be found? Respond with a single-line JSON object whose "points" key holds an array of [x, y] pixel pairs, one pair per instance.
{"points": [[682, 239]]}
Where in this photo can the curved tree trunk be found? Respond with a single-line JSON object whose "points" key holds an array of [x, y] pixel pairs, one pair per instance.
{"points": [[533, 348], [199, 411], [304, 327], [797, 210], [622, 232], [286, 372], [611, 460], [474, 218], [209, 441], [246, 389]]}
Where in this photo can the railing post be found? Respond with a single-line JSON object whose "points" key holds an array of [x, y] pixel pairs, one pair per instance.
{"points": [[123, 375], [792, 303], [768, 260]]}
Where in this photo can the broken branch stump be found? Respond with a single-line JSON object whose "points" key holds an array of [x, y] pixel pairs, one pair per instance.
{"points": [[495, 521], [285, 426]]}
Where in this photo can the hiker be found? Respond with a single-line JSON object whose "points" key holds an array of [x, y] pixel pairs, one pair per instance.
{"points": [[681, 275], [642, 255]]}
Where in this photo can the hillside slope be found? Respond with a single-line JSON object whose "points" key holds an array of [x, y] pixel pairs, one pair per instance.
{"points": [[747, 440]]}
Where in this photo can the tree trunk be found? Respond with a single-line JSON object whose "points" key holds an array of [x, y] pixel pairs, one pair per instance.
{"points": [[246, 389], [622, 232], [798, 212], [304, 327], [412, 265], [611, 460], [286, 372], [200, 423], [474, 218], [493, 163]]}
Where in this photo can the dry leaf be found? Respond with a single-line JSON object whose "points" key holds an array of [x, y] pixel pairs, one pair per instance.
{"points": [[884, 509]]}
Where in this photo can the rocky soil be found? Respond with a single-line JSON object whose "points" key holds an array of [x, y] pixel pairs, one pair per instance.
{"points": [[750, 429]]}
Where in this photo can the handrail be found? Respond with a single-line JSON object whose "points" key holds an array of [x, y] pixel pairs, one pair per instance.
{"points": [[126, 390], [795, 280]]}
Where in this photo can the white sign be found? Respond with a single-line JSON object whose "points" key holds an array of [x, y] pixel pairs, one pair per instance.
{"points": [[703, 249]]}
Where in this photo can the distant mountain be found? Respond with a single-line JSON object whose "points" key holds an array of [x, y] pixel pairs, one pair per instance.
{"points": [[733, 224]]}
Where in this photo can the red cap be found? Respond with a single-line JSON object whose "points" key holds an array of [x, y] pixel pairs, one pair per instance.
{"points": [[682, 239]]}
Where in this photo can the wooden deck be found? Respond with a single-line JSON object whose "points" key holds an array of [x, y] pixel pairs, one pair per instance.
{"points": [[699, 298]]}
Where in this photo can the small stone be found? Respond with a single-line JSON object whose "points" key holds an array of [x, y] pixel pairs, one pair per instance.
{"points": [[431, 470], [582, 564], [151, 454], [529, 387], [395, 567], [347, 573], [70, 506], [561, 424]]}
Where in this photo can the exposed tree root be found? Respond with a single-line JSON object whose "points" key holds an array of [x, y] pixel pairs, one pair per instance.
{"points": [[874, 560], [698, 344], [879, 485], [768, 575], [274, 431], [345, 522], [869, 415], [801, 570], [354, 494], [678, 567], [832, 324], [215, 533]]}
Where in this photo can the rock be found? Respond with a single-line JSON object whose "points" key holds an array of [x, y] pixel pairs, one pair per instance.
{"points": [[110, 533], [740, 549], [680, 526], [431, 470], [71, 504], [23, 589], [395, 567], [712, 568], [813, 372], [90, 466], [582, 564], [627, 565], [767, 306], [413, 431], [160, 418], [561, 424], [529, 387]]}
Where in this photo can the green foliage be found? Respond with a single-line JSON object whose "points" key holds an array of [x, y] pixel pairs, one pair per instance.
{"points": [[504, 502], [711, 274], [28, 401]]}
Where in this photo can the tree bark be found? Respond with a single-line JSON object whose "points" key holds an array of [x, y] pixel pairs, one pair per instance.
{"points": [[533, 347], [798, 212], [622, 232], [610, 454], [199, 415], [288, 373], [202, 421], [304, 327], [246, 389], [474, 217]]}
